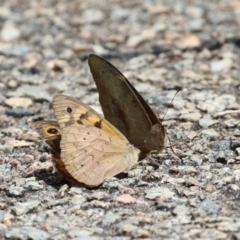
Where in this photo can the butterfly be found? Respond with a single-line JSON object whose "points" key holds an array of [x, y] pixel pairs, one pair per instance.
{"points": [[90, 148], [126, 109]]}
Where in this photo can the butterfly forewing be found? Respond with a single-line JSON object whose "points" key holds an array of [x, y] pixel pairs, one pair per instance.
{"points": [[125, 108], [51, 132], [48, 130], [69, 111]]}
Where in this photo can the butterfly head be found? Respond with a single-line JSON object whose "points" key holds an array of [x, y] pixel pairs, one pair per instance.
{"points": [[156, 140]]}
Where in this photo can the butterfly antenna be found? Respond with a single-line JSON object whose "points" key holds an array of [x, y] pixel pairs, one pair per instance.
{"points": [[171, 103], [153, 162]]}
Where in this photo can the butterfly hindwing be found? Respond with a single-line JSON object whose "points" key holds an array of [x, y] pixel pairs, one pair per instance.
{"points": [[91, 155]]}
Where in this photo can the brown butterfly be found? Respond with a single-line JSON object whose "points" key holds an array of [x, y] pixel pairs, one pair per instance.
{"points": [[126, 109], [92, 150]]}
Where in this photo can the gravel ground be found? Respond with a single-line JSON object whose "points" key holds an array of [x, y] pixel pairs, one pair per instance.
{"points": [[160, 46]]}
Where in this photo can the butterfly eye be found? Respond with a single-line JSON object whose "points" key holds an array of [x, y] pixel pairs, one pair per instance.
{"points": [[52, 131], [69, 110]]}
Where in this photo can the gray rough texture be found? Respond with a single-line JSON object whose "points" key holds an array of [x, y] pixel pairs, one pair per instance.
{"points": [[160, 46]]}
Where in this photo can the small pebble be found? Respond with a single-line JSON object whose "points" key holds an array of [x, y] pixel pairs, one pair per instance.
{"points": [[210, 206], [78, 199], [25, 233], [207, 123], [93, 16], [10, 32], [190, 117], [26, 207], [19, 102], [155, 192], [16, 191], [125, 199], [211, 133], [33, 185], [19, 112]]}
